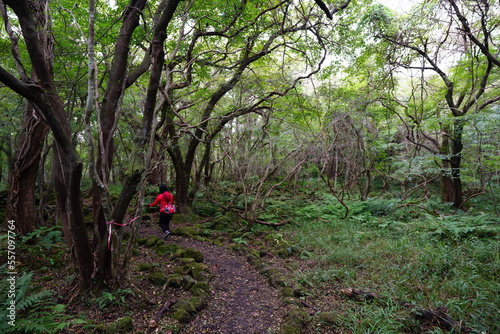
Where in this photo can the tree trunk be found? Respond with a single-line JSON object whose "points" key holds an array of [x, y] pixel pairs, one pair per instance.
{"points": [[447, 193], [456, 162], [21, 205], [33, 18], [139, 162]]}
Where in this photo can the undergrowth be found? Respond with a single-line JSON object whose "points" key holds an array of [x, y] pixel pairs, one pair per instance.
{"points": [[25, 307], [406, 254]]}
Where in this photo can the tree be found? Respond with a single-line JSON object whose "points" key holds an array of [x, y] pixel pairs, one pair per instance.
{"points": [[201, 82], [466, 84], [25, 162], [43, 94], [252, 32]]}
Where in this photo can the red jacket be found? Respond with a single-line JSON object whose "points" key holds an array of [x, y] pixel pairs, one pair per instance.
{"points": [[163, 199]]}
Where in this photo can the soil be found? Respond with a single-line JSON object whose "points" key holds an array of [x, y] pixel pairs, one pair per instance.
{"points": [[240, 301]]}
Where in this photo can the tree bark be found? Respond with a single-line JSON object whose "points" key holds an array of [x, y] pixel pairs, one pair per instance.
{"points": [[21, 203], [50, 107]]}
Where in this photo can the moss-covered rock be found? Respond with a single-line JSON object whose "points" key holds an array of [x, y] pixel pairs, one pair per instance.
{"points": [[268, 271], [186, 261], [292, 301], [123, 325], [174, 281], [194, 254], [287, 292], [163, 249], [146, 266], [200, 289], [187, 231], [198, 271], [183, 311], [152, 240], [187, 282], [157, 278], [253, 260], [199, 302], [239, 249], [299, 290], [276, 281], [293, 321]]}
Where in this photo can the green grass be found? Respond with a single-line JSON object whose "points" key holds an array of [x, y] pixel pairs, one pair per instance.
{"points": [[406, 255]]}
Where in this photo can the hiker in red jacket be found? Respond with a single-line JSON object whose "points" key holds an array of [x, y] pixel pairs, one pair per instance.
{"points": [[167, 208]]}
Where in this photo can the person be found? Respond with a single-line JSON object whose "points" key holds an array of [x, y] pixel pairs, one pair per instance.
{"points": [[164, 198]]}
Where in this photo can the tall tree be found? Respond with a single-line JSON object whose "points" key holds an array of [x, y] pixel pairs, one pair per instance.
{"points": [[221, 54], [24, 164], [43, 94], [465, 84]]}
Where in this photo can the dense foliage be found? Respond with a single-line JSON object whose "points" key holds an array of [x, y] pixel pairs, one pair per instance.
{"points": [[373, 128]]}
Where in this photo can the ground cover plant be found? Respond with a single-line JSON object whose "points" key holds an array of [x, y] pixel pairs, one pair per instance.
{"points": [[429, 257], [429, 260]]}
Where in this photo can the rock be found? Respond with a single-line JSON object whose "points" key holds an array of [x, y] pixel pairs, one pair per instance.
{"points": [[198, 302], [293, 321], [187, 282], [200, 289], [183, 311], [195, 269], [194, 254], [174, 281], [123, 325], [152, 241], [157, 278]]}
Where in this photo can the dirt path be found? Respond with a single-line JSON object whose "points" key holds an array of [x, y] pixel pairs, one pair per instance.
{"points": [[241, 301]]}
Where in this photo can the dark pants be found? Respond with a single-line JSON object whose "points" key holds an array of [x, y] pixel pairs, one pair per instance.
{"points": [[165, 221]]}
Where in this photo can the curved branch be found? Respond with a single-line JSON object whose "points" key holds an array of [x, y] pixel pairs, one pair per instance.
{"points": [[466, 27]]}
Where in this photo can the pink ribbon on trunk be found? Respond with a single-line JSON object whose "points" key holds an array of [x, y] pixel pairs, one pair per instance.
{"points": [[109, 229]]}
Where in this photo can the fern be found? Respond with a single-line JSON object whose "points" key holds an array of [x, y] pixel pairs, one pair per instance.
{"points": [[35, 313]]}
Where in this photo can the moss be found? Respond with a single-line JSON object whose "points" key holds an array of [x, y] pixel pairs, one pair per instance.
{"points": [[294, 321], [178, 254], [200, 289], [287, 292], [292, 301], [179, 270], [196, 269], [162, 250], [268, 271], [187, 282], [282, 252], [157, 278], [187, 231], [174, 281], [183, 311], [252, 259], [198, 302], [123, 325], [194, 254], [327, 318], [186, 261], [299, 290], [152, 240], [238, 248], [276, 281], [146, 266]]}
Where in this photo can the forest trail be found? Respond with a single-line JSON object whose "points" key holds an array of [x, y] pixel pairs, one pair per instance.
{"points": [[241, 300]]}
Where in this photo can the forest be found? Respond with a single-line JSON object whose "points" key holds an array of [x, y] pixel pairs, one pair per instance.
{"points": [[347, 150]]}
